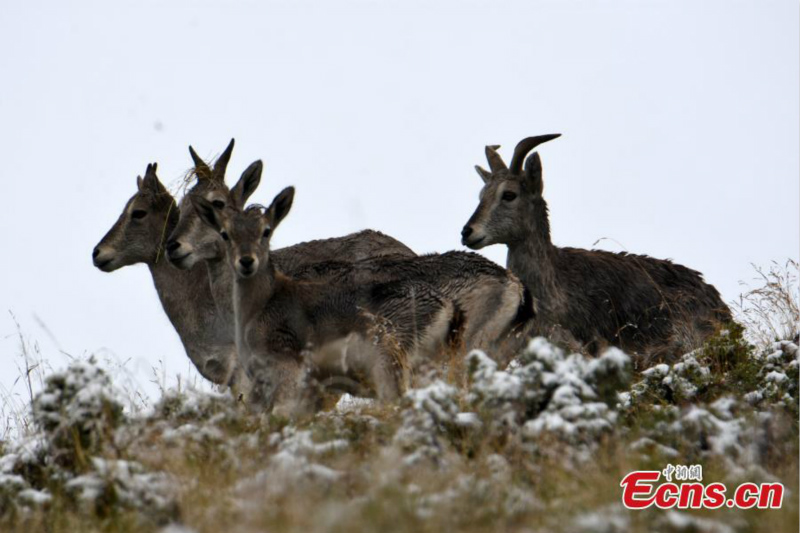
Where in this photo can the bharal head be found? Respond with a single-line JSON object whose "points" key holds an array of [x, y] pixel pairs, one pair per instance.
{"points": [[192, 241], [245, 233], [139, 233], [509, 197]]}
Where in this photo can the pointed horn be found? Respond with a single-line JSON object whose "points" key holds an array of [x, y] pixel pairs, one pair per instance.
{"points": [[200, 167], [524, 147], [495, 161], [150, 180], [151, 170], [222, 162]]}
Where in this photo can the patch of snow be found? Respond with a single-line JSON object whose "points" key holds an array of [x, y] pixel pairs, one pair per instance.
{"points": [[468, 420], [678, 521], [35, 497], [610, 519]]}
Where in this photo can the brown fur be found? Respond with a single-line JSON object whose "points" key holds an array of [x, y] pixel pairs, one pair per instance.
{"points": [[204, 327], [649, 307], [191, 241], [280, 319]]}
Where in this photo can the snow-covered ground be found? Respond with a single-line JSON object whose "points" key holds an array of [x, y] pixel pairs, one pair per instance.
{"points": [[538, 446]]}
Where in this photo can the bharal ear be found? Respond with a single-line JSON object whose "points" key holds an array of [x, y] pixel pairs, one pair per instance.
{"points": [[247, 184], [533, 173], [206, 211], [483, 173], [280, 206]]}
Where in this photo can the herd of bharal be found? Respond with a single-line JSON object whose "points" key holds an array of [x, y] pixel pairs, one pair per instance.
{"points": [[288, 329]]}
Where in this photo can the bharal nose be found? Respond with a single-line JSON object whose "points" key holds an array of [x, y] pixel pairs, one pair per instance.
{"points": [[247, 261], [466, 232], [173, 245]]}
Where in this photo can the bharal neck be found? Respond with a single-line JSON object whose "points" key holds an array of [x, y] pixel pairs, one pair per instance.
{"points": [[532, 259], [186, 298], [220, 279], [250, 296]]}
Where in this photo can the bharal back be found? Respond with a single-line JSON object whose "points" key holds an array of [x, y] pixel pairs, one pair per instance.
{"points": [[492, 301]]}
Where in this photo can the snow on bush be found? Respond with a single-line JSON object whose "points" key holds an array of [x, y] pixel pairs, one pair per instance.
{"points": [[610, 519], [296, 448], [193, 405], [670, 383], [114, 485], [77, 415], [545, 395], [724, 426], [714, 431], [429, 412], [778, 376], [77, 411], [550, 394], [673, 521], [294, 467], [492, 488], [441, 448]]}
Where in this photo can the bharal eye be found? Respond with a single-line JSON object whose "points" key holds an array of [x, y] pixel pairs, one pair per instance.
{"points": [[224, 235], [138, 213], [219, 204], [267, 232], [509, 196]]}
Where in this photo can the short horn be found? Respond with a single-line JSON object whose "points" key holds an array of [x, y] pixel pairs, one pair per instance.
{"points": [[524, 147], [495, 161], [222, 162], [151, 170], [200, 167]]}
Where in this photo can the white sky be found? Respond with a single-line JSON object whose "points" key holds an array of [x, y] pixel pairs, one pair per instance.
{"points": [[680, 123]]}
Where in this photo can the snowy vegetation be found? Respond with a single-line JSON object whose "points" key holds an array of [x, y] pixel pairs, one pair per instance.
{"points": [[539, 446]]}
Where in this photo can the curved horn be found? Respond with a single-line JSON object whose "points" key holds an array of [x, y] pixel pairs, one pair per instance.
{"points": [[525, 146], [495, 161], [200, 167], [222, 162]]}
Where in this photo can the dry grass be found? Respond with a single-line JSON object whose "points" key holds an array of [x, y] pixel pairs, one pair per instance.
{"points": [[374, 494], [770, 311]]}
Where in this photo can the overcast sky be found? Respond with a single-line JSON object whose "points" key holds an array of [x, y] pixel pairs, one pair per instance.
{"points": [[679, 121]]}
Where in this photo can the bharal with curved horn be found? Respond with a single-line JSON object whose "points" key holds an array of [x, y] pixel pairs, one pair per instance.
{"points": [[652, 308]]}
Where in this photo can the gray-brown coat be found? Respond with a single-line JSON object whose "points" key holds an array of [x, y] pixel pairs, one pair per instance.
{"points": [[286, 328], [205, 328], [646, 306]]}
